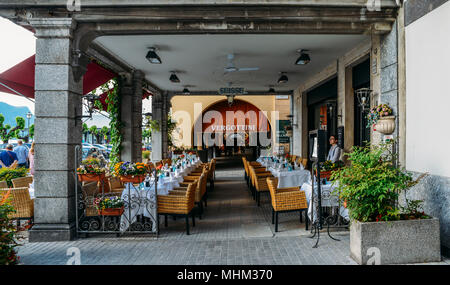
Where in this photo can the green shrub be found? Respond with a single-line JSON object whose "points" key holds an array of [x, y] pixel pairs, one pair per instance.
{"points": [[8, 233], [146, 154], [370, 187], [7, 174]]}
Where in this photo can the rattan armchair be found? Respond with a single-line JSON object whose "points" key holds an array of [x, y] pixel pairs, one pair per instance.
{"points": [[286, 200], [3, 184], [22, 181], [260, 183], [257, 169], [200, 192], [178, 204], [115, 185], [21, 202]]}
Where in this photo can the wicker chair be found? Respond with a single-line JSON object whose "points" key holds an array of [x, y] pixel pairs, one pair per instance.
{"points": [[260, 183], [293, 158], [90, 191], [257, 169], [286, 200], [3, 184], [21, 202], [22, 182], [200, 191], [178, 204], [115, 185]]}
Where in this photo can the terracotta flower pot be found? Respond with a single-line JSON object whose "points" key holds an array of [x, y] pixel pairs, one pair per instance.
{"points": [[385, 125], [325, 174], [111, 212], [91, 177], [132, 179]]}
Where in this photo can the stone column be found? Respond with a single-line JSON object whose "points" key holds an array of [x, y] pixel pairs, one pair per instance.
{"points": [[131, 116], [58, 130], [157, 137], [164, 122]]}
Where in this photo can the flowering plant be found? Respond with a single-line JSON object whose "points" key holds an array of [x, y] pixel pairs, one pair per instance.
{"points": [[128, 168], [8, 234], [329, 165], [377, 112], [91, 166], [113, 202]]}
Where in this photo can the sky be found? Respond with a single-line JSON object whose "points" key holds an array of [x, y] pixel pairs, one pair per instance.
{"points": [[20, 45]]}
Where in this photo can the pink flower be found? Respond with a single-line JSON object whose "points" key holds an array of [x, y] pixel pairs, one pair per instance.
{"points": [[386, 113]]}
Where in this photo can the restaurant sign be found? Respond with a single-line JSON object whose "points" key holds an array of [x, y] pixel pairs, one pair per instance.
{"points": [[231, 91]]}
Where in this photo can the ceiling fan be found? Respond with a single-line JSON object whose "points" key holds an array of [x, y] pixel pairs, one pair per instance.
{"points": [[232, 68]]}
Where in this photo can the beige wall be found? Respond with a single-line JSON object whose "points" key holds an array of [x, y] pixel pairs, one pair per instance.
{"points": [[186, 109]]}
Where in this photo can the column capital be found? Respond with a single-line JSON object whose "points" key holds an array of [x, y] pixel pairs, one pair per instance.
{"points": [[53, 27]]}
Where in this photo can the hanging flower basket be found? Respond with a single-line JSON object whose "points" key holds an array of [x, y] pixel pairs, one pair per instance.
{"points": [[91, 177], [111, 212], [132, 179], [385, 125]]}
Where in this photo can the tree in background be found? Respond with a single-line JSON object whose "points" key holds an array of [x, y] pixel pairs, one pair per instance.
{"points": [[7, 133], [94, 132], [104, 132]]}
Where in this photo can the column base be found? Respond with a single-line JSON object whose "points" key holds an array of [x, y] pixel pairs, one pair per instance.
{"points": [[52, 232]]}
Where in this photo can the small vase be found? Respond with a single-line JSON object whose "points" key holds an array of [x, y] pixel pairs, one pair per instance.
{"points": [[385, 125]]}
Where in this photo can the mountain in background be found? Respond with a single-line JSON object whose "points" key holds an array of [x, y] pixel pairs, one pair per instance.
{"points": [[11, 112]]}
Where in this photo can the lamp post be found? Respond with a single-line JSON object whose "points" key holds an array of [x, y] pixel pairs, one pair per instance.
{"points": [[363, 96], [29, 115]]}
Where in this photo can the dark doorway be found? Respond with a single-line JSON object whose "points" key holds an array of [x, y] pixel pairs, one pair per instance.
{"points": [[322, 102], [361, 79]]}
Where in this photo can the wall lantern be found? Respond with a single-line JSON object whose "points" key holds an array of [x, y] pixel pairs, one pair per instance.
{"points": [[90, 104], [230, 99], [363, 96]]}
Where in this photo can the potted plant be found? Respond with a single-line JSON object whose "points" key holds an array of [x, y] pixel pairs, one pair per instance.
{"points": [[370, 189], [382, 119], [327, 168], [130, 172], [90, 170], [109, 206]]}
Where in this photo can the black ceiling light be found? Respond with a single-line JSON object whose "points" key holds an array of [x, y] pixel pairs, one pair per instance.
{"points": [[271, 89], [152, 57], [303, 58], [174, 78], [186, 91], [283, 78]]}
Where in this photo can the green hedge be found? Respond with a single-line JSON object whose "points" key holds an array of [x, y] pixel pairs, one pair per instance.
{"points": [[7, 174]]}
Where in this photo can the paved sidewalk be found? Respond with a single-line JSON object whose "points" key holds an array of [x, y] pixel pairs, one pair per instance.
{"points": [[233, 231]]}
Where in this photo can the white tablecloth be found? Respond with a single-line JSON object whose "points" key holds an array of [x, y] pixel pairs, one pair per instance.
{"points": [[294, 178], [329, 199], [143, 201]]}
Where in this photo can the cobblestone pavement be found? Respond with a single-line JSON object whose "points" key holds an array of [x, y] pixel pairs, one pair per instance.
{"points": [[233, 231]]}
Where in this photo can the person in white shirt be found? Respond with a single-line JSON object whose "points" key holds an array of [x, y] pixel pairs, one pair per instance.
{"points": [[335, 152]]}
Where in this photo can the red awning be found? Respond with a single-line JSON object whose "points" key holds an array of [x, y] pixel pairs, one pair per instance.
{"points": [[21, 78]]}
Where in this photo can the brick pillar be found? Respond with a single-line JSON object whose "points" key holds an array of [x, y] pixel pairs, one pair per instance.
{"points": [[58, 131]]}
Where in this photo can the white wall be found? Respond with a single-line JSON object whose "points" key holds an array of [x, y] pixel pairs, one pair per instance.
{"points": [[428, 93]]}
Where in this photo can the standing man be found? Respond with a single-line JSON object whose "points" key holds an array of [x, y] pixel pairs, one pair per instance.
{"points": [[8, 157], [335, 152], [22, 154]]}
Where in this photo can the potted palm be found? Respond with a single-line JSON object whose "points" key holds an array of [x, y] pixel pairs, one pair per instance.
{"points": [[91, 170], [399, 231]]}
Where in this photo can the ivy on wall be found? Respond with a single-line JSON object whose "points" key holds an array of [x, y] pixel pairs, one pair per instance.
{"points": [[115, 124]]}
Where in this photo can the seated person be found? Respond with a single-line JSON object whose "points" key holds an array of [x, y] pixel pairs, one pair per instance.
{"points": [[335, 152]]}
